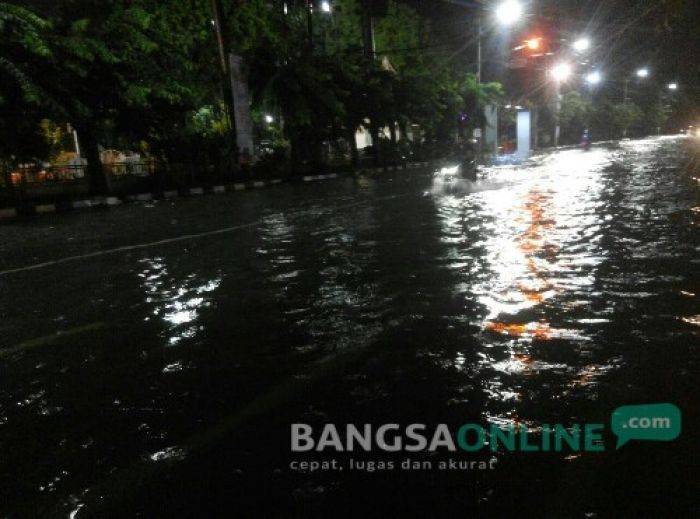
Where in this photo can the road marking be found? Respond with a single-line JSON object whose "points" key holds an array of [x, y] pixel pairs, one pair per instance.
{"points": [[176, 239], [48, 339]]}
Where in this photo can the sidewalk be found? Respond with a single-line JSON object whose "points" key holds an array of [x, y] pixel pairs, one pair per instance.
{"points": [[114, 201]]}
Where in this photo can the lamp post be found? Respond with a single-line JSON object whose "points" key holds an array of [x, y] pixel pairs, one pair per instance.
{"points": [[507, 13], [560, 73], [582, 44], [641, 73], [593, 78]]}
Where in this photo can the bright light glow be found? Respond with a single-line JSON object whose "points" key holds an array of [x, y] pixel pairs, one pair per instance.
{"points": [[269, 119], [449, 170], [561, 72], [326, 7], [643, 72], [582, 44], [594, 78], [533, 44], [509, 12], [673, 86], [285, 8]]}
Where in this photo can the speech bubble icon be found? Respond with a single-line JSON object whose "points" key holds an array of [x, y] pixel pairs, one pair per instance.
{"points": [[653, 422]]}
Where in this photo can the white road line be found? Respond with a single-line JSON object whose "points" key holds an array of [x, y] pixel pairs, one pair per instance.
{"points": [[128, 248], [167, 241]]}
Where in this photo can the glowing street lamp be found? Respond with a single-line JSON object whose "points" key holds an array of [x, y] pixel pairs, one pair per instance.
{"points": [[593, 78], [582, 44], [642, 73], [561, 72], [269, 119], [533, 44], [509, 12], [326, 7], [673, 86]]}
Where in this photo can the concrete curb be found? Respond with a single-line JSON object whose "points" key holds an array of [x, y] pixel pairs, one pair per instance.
{"points": [[141, 197], [45, 208], [82, 204], [113, 201]]}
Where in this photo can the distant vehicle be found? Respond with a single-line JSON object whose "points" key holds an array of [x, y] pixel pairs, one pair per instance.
{"points": [[265, 147], [586, 140], [465, 156], [454, 171]]}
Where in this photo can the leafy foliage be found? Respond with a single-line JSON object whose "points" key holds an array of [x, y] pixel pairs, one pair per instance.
{"points": [[133, 71]]}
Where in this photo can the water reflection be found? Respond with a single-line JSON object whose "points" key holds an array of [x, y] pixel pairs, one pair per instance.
{"points": [[538, 238], [520, 299], [177, 302]]}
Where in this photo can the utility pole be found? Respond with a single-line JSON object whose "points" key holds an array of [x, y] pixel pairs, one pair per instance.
{"points": [[225, 73], [625, 99], [369, 52], [557, 110], [368, 30], [310, 23], [478, 49]]}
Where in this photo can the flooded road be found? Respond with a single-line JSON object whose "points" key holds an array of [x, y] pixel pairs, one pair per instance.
{"points": [[194, 332]]}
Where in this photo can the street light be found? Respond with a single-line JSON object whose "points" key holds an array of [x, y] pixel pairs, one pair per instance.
{"points": [[509, 12], [643, 72], [561, 72], [582, 44], [269, 119], [593, 78], [326, 7], [533, 44], [673, 86]]}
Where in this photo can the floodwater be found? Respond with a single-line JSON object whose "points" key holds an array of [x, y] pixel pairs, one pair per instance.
{"points": [[153, 357]]}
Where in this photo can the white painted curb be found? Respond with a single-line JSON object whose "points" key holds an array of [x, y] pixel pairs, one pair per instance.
{"points": [[82, 204], [196, 191], [219, 189], [45, 208], [170, 194], [239, 187]]}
